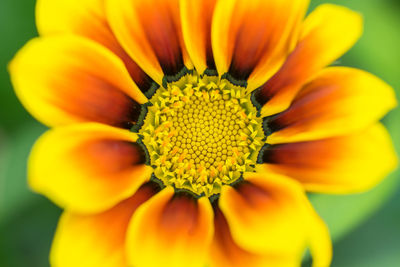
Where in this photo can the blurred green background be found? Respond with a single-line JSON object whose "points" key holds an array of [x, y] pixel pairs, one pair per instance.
{"points": [[365, 227]]}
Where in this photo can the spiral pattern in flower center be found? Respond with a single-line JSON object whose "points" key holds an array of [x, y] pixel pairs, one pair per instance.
{"points": [[201, 133]]}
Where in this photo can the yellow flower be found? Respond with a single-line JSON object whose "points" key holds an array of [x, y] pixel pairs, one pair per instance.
{"points": [[186, 133]]}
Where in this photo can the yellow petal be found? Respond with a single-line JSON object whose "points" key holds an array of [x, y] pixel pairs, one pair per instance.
{"points": [[261, 213], [319, 240], [338, 101], [95, 240], [150, 31], [269, 214], [225, 252], [87, 167], [196, 18], [345, 164], [84, 18], [326, 34], [170, 230], [69, 79], [251, 39], [88, 19]]}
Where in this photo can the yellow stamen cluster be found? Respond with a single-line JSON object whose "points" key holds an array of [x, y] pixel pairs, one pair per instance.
{"points": [[201, 133]]}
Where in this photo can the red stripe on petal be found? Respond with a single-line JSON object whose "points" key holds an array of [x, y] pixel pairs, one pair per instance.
{"points": [[87, 19], [342, 164], [67, 79], [97, 239], [88, 167], [110, 156], [180, 215], [163, 34], [179, 231], [94, 99]]}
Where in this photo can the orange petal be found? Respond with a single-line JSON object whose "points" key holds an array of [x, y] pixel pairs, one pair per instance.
{"points": [[338, 101], [226, 253], [196, 26], [98, 239], [87, 167], [69, 79], [319, 240], [345, 164], [326, 34], [88, 19], [261, 213], [176, 228], [150, 31], [269, 214], [251, 39]]}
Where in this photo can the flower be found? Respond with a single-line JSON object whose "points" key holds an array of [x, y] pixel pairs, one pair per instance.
{"points": [[186, 133]]}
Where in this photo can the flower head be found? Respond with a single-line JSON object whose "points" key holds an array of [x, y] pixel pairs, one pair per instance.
{"points": [[186, 133], [202, 133]]}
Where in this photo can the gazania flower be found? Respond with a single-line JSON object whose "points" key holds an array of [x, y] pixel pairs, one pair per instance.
{"points": [[186, 133]]}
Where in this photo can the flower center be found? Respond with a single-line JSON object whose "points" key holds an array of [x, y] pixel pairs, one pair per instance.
{"points": [[201, 132]]}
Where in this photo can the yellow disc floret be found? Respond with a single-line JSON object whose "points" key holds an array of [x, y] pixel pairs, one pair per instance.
{"points": [[201, 133]]}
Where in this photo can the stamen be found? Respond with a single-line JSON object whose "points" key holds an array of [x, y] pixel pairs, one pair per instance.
{"points": [[202, 133]]}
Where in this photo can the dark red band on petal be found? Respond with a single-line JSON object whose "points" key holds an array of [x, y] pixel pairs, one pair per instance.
{"points": [[181, 211], [254, 41], [247, 53], [226, 250], [303, 107], [98, 237], [144, 193], [95, 99], [291, 74], [170, 57], [110, 156], [142, 80], [222, 234], [209, 52], [253, 194], [261, 97], [298, 154], [210, 56], [101, 32], [163, 35], [120, 216]]}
